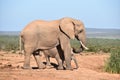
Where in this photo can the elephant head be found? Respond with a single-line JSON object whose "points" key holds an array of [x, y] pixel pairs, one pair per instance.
{"points": [[74, 29]]}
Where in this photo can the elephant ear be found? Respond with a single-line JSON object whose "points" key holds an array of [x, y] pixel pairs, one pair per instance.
{"points": [[67, 27]]}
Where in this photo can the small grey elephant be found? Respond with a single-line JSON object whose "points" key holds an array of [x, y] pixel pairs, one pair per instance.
{"points": [[59, 56]]}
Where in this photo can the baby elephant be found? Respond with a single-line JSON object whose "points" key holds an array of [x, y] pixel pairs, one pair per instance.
{"points": [[59, 56]]}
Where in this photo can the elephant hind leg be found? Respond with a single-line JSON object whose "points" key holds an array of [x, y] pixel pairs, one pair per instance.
{"points": [[46, 54], [28, 52], [48, 64], [60, 63], [48, 61], [38, 60]]}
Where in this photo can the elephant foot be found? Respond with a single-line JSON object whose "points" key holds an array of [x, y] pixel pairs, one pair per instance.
{"points": [[26, 67], [76, 68], [49, 66], [42, 66], [69, 68], [60, 68]]}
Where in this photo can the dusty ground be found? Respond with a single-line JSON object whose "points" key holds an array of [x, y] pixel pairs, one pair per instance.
{"points": [[90, 68]]}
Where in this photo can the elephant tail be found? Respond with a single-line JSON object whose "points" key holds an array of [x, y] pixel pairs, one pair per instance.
{"points": [[20, 45]]}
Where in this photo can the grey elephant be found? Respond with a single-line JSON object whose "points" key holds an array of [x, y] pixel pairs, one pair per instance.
{"points": [[58, 54], [44, 35]]}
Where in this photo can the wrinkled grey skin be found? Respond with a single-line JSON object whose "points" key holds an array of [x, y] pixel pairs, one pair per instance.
{"points": [[44, 35], [59, 56]]}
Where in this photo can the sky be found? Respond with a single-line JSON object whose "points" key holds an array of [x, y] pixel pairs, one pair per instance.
{"points": [[16, 14]]}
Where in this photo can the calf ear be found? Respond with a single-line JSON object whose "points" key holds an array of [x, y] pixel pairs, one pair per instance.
{"points": [[67, 27]]}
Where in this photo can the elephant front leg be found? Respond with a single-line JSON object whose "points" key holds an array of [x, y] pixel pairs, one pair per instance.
{"points": [[65, 46], [67, 55], [68, 59]]}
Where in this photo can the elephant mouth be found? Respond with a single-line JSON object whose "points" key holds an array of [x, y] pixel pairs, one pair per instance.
{"points": [[83, 46]]}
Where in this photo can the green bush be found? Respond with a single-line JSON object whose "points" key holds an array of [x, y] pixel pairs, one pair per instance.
{"points": [[9, 43], [112, 65], [104, 45], [97, 45], [94, 44], [93, 49]]}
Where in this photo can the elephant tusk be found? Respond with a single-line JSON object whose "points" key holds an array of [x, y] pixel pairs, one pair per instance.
{"points": [[84, 46]]}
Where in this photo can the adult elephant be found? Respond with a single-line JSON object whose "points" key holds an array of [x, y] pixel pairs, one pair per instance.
{"points": [[44, 35]]}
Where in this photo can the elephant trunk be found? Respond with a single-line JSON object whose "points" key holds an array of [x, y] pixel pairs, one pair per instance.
{"points": [[82, 40]]}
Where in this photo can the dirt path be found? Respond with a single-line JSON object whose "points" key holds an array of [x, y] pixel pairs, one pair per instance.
{"points": [[90, 68]]}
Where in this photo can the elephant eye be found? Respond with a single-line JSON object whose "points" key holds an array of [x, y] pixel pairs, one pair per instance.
{"points": [[81, 31]]}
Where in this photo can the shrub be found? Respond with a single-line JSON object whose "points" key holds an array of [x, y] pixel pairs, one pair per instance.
{"points": [[9, 43], [98, 45], [112, 65], [93, 49], [104, 45]]}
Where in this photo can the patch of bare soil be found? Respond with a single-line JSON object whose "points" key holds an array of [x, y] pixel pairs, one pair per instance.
{"points": [[90, 68]]}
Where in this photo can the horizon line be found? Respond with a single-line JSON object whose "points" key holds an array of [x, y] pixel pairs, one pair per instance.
{"points": [[85, 27]]}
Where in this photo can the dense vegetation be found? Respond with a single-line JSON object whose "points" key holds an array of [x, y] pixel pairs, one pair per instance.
{"points": [[96, 45], [9, 43], [104, 45], [113, 63]]}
